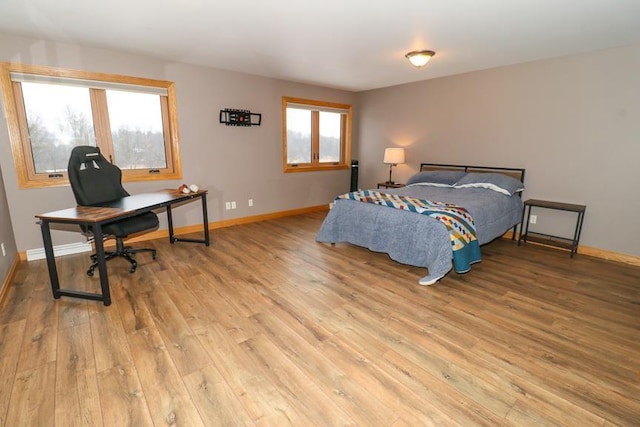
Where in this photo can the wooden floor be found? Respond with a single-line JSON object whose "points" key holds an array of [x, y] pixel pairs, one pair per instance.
{"points": [[267, 327]]}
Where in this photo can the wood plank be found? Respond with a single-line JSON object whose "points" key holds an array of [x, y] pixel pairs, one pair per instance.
{"points": [[347, 393], [268, 327], [301, 391], [76, 392], [181, 343], [39, 342], [260, 398], [16, 300], [187, 302], [10, 334], [133, 311], [214, 399], [110, 346], [166, 394], [32, 398], [412, 346], [121, 397]]}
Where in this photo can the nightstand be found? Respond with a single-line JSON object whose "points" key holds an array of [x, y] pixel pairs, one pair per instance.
{"points": [[562, 242], [390, 185]]}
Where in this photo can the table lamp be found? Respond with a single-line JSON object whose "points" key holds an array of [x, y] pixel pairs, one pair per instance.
{"points": [[393, 156]]}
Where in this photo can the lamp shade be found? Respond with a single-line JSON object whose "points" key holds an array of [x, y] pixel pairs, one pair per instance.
{"points": [[393, 156], [419, 58]]}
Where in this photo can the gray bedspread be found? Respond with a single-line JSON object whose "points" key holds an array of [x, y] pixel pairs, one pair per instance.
{"points": [[415, 239]]}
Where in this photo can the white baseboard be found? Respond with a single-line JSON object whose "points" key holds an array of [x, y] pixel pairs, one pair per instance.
{"points": [[71, 248]]}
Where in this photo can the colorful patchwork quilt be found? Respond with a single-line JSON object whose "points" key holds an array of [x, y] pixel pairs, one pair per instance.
{"points": [[462, 231]]}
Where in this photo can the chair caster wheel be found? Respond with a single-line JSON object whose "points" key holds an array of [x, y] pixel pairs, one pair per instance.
{"points": [[89, 272], [133, 268], [153, 255]]}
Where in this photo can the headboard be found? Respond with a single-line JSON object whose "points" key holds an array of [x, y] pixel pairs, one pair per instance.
{"points": [[517, 173]]}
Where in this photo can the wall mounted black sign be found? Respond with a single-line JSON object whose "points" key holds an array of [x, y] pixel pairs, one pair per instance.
{"points": [[233, 117]]}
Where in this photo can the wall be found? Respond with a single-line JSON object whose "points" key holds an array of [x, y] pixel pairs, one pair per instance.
{"points": [[232, 163], [6, 236], [572, 122]]}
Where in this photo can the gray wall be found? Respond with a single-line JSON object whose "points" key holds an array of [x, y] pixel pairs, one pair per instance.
{"points": [[573, 123], [232, 163], [6, 235]]}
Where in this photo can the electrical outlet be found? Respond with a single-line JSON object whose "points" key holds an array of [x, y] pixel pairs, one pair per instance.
{"points": [[533, 219], [250, 202], [227, 205], [233, 205], [4, 252]]}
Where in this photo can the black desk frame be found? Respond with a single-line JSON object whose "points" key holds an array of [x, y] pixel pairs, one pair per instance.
{"points": [[163, 200], [572, 244]]}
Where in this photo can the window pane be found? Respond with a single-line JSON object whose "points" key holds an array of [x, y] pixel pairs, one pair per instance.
{"points": [[136, 130], [330, 134], [298, 136], [58, 118]]}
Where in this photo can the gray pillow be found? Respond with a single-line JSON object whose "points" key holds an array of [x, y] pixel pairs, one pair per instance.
{"points": [[436, 178], [494, 181]]}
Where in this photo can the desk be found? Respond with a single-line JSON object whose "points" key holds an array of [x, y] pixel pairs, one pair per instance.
{"points": [[562, 242], [97, 216]]}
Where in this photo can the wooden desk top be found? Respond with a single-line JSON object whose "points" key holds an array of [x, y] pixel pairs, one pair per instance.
{"points": [[555, 205], [118, 208]]}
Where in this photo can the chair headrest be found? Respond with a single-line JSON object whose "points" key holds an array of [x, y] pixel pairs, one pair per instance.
{"points": [[83, 152], [85, 156]]}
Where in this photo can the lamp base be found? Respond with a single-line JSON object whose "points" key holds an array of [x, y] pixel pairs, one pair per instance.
{"points": [[389, 182]]}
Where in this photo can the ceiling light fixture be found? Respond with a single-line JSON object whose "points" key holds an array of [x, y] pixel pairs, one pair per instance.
{"points": [[419, 58]]}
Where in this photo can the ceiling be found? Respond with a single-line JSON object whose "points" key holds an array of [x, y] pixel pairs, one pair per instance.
{"points": [[346, 44]]}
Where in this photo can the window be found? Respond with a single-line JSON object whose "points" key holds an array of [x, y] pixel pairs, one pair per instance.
{"points": [[49, 111], [316, 135]]}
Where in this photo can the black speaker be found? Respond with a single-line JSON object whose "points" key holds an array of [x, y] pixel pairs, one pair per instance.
{"points": [[354, 175]]}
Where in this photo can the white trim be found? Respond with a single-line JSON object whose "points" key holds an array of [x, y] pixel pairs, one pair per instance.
{"points": [[60, 250], [96, 84], [312, 107]]}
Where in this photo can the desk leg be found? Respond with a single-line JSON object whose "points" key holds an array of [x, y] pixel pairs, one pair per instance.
{"points": [[102, 264], [524, 225], [51, 260], [205, 218], [576, 234], [205, 222], [172, 239], [524, 208]]}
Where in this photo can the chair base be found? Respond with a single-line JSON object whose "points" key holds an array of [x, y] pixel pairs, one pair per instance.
{"points": [[126, 252]]}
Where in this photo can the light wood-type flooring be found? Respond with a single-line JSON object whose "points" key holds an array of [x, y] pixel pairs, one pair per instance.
{"points": [[266, 327]]}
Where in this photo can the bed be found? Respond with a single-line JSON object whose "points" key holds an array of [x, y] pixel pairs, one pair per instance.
{"points": [[490, 195]]}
